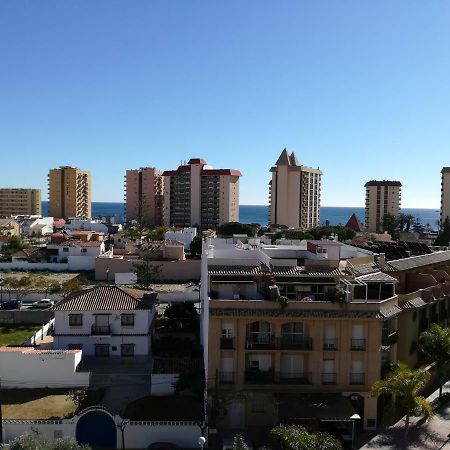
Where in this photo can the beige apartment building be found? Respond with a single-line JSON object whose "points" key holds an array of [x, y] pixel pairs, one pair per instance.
{"points": [[382, 197], [269, 362], [20, 201], [69, 192], [144, 196], [445, 193], [198, 195], [294, 193]]}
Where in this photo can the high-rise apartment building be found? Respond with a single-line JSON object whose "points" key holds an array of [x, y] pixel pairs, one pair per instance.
{"points": [[195, 194], [69, 192], [144, 195], [294, 193], [382, 197], [18, 201], [445, 193]]}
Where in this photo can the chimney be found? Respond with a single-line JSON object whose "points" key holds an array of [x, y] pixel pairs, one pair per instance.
{"points": [[382, 260]]}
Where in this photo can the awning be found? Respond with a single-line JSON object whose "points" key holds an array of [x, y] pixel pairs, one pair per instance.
{"points": [[329, 407]]}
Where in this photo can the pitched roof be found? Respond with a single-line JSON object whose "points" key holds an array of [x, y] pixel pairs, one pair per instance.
{"points": [[414, 262], [354, 224], [108, 298], [283, 159], [377, 277]]}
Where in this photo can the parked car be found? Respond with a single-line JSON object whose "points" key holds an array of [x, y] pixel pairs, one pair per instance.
{"points": [[162, 446], [43, 304], [10, 304]]}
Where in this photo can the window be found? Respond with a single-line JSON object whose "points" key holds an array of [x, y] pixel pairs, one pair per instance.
{"points": [[75, 346], [258, 405], [127, 320], [84, 250], [65, 249], [75, 320], [127, 349]]}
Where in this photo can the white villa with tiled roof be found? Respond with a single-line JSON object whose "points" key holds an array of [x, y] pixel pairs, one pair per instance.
{"points": [[106, 321]]}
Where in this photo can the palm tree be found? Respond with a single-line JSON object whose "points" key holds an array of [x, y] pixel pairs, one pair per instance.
{"points": [[435, 343], [403, 385]]}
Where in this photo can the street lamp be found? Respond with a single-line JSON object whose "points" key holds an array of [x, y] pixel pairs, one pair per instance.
{"points": [[201, 442], [107, 275], [353, 418]]}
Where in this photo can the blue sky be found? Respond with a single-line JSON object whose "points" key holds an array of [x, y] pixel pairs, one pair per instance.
{"points": [[359, 88]]}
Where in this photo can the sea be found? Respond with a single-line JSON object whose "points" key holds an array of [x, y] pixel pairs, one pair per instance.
{"points": [[260, 213]]}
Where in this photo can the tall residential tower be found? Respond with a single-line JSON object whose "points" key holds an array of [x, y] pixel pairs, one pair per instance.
{"points": [[144, 195], [294, 193], [18, 201], [69, 192], [382, 197], [445, 193], [195, 194]]}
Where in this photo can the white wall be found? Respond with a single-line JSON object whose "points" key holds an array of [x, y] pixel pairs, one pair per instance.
{"points": [[125, 278], [186, 236], [25, 265], [31, 368]]}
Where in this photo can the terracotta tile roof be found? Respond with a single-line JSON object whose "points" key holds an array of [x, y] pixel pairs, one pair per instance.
{"points": [[417, 261], [78, 243], [234, 270], [108, 298], [26, 252], [413, 303], [378, 277], [312, 271]]}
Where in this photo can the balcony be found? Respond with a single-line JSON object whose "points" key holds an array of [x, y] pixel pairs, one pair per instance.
{"points": [[256, 376], [389, 337], [227, 343], [294, 342], [330, 344], [357, 378], [262, 341], [226, 377], [358, 344], [100, 330], [329, 378], [294, 378]]}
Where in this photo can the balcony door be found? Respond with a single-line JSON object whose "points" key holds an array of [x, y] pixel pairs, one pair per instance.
{"points": [[101, 320], [292, 366], [101, 349], [259, 332]]}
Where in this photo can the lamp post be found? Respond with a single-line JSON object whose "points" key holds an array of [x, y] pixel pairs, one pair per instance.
{"points": [[2, 281], [107, 274], [201, 442], [353, 418]]}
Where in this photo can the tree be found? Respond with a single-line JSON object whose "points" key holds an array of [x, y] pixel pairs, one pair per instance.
{"points": [[230, 228], [239, 443], [444, 233], [182, 316], [28, 442], [70, 286], [146, 272], [196, 246], [293, 437], [157, 234], [389, 224], [435, 343], [404, 385]]}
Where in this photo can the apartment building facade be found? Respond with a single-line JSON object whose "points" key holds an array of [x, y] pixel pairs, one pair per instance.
{"points": [[69, 192], [269, 361], [294, 193], [144, 196], [445, 194], [198, 195], [20, 201], [382, 197]]}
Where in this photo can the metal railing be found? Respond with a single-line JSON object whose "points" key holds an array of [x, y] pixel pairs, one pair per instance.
{"points": [[100, 330], [358, 344], [330, 344], [259, 376], [357, 378], [227, 343], [260, 341], [292, 341], [293, 378], [329, 378]]}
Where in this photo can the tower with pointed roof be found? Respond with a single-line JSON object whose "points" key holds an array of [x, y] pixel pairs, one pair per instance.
{"points": [[294, 193]]}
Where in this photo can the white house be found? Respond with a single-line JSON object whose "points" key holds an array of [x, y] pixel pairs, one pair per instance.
{"points": [[106, 321], [80, 255], [26, 367], [36, 226], [86, 225], [186, 236]]}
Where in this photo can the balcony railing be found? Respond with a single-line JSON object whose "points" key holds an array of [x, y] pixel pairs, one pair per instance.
{"points": [[330, 344], [329, 378], [358, 344], [293, 378], [389, 337], [100, 330], [260, 341], [259, 376], [226, 377], [227, 343], [294, 342], [357, 378]]}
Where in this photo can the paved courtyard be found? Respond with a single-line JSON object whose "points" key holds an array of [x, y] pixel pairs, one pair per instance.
{"points": [[433, 435]]}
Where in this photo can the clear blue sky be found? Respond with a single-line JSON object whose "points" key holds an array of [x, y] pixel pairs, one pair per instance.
{"points": [[359, 88]]}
